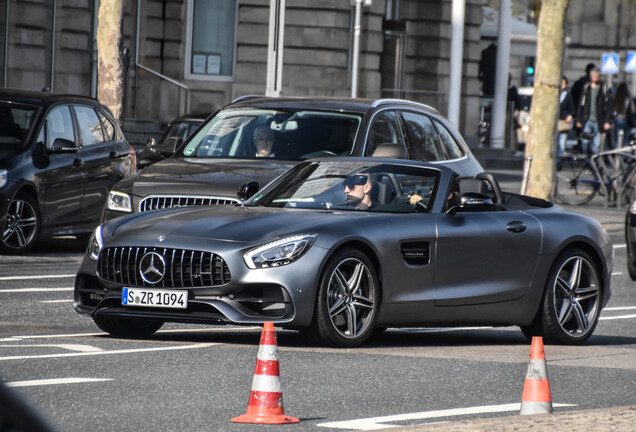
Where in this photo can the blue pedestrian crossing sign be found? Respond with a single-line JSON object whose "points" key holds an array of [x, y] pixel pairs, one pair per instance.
{"points": [[630, 62], [609, 63]]}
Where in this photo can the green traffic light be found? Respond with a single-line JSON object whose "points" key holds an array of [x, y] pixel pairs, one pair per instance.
{"points": [[529, 70]]}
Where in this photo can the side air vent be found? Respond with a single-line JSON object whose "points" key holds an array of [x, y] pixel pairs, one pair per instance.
{"points": [[416, 253]]}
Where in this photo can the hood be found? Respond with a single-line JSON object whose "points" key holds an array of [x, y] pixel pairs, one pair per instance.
{"points": [[242, 224], [10, 154], [199, 176]]}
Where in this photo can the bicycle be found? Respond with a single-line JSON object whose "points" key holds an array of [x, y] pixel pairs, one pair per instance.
{"points": [[610, 173]]}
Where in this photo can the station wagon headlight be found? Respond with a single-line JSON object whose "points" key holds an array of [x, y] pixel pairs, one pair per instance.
{"points": [[95, 243], [119, 201], [280, 252], [4, 175]]}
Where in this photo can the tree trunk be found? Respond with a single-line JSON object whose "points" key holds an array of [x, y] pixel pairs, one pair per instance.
{"points": [[110, 71], [540, 165]]}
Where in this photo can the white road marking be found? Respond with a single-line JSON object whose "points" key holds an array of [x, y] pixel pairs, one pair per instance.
{"points": [[57, 301], [617, 317], [377, 423], [617, 274], [60, 276], [55, 381], [70, 347], [620, 246], [128, 351], [24, 290], [619, 308]]}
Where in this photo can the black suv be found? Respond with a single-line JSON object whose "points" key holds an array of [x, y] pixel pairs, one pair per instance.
{"points": [[225, 153], [59, 157]]}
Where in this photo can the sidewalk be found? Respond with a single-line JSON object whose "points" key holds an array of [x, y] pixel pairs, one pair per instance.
{"points": [[620, 419]]}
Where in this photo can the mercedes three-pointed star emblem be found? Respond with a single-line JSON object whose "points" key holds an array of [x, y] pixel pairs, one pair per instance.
{"points": [[152, 267]]}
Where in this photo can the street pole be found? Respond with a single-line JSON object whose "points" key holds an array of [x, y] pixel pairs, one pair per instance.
{"points": [[500, 103], [357, 30], [275, 47], [456, 56]]}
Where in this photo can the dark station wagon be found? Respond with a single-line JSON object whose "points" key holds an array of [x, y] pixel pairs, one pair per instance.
{"points": [[221, 164]]}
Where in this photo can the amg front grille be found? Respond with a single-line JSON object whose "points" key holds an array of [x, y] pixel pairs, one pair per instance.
{"points": [[157, 202], [171, 268]]}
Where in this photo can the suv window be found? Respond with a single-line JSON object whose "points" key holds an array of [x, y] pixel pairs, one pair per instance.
{"points": [[58, 124], [450, 144], [90, 127], [385, 129], [107, 127], [422, 139]]}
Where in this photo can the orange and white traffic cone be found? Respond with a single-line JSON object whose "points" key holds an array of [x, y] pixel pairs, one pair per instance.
{"points": [[536, 398], [266, 399]]}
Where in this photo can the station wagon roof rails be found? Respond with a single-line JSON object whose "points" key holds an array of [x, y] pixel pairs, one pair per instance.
{"points": [[248, 97], [380, 102]]}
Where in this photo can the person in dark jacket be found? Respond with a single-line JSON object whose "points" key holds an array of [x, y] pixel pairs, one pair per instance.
{"points": [[624, 113], [594, 113], [567, 112], [577, 88]]}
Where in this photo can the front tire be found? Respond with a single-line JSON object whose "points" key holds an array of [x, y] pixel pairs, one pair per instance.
{"points": [[572, 301], [21, 226], [127, 327], [347, 304]]}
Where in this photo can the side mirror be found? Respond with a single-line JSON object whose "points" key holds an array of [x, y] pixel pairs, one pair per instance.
{"points": [[170, 146], [151, 142], [472, 201], [61, 145], [247, 190]]}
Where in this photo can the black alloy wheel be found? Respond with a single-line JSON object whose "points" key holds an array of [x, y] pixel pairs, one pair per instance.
{"points": [[21, 225]]}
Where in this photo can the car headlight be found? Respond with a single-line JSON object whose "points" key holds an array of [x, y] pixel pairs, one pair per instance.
{"points": [[280, 252], [119, 201], [95, 243], [4, 175]]}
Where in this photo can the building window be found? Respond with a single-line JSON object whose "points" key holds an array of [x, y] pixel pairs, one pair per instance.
{"points": [[211, 39]]}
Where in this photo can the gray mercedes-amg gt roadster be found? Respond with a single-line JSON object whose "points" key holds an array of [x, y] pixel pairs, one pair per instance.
{"points": [[339, 247]]}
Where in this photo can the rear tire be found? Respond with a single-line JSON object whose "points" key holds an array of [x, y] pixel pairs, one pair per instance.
{"points": [[576, 183], [572, 301], [128, 327]]}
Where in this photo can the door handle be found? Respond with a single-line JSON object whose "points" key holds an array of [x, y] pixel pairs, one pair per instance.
{"points": [[78, 162], [516, 227]]}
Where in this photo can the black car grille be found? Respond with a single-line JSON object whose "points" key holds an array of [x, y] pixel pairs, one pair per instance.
{"points": [[183, 268], [157, 202]]}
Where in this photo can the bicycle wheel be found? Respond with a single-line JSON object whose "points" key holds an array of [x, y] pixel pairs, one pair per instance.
{"points": [[576, 183]]}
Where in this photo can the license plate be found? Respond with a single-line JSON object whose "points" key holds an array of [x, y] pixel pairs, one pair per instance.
{"points": [[154, 298]]}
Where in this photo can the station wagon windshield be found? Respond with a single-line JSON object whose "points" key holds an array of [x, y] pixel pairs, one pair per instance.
{"points": [[291, 135]]}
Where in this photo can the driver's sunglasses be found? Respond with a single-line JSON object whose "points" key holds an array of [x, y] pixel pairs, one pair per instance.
{"points": [[356, 180]]}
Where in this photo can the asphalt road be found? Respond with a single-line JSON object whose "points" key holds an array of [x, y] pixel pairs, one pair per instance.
{"points": [[198, 378]]}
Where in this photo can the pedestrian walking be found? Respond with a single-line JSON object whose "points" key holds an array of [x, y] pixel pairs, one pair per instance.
{"points": [[577, 88], [566, 115], [594, 112], [624, 114]]}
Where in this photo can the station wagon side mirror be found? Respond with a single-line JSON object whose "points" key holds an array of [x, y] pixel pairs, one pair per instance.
{"points": [[472, 201], [170, 146], [151, 142], [61, 145], [247, 190]]}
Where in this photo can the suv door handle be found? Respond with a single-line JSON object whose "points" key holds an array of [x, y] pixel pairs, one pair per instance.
{"points": [[516, 227]]}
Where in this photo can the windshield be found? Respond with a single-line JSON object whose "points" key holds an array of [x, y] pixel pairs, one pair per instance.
{"points": [[352, 186], [15, 122], [276, 134]]}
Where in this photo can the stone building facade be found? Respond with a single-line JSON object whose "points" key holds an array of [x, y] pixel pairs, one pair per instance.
{"points": [[198, 55]]}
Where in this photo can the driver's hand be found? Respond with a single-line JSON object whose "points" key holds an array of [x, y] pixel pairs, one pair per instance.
{"points": [[414, 199]]}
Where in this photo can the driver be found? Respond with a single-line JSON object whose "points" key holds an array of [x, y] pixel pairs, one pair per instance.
{"points": [[357, 189], [264, 141]]}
